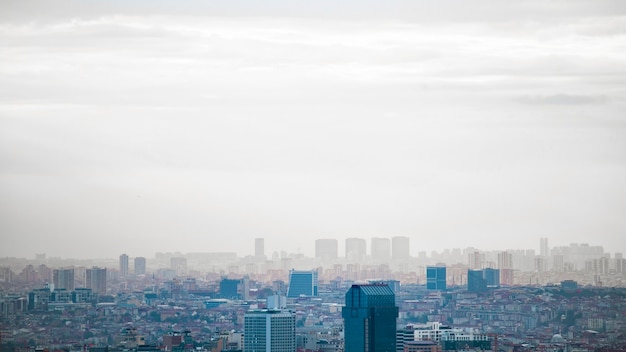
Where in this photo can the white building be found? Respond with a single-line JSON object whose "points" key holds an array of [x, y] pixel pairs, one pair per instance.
{"points": [[269, 331]]}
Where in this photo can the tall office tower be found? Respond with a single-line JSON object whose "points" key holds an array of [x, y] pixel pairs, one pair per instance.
{"points": [[543, 247], [96, 280], [140, 266], [269, 331], [302, 283], [63, 279], [400, 248], [355, 249], [436, 277], [259, 247], [381, 249], [370, 319], [124, 265], [326, 249]]}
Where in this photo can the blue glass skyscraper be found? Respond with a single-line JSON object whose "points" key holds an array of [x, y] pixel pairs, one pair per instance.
{"points": [[370, 319], [302, 283], [436, 277]]}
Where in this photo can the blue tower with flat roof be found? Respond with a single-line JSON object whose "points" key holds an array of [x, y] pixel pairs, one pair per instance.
{"points": [[370, 319]]}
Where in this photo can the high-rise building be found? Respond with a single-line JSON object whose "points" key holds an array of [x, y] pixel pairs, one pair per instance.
{"points": [[481, 280], [302, 283], [369, 317], [381, 249], [326, 249], [259, 247], [400, 248], [140, 266], [476, 260], [269, 331], [63, 279], [355, 249], [436, 277], [96, 280], [124, 265], [543, 247]]}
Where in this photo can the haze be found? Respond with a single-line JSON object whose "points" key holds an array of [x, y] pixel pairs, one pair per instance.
{"points": [[144, 126]]}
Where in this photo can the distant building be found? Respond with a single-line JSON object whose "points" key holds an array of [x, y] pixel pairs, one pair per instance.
{"points": [[259, 247], [369, 316], [179, 264], [124, 265], [302, 283], [381, 249], [326, 249], [96, 280], [140, 266], [355, 249], [63, 279], [436, 277], [235, 289], [482, 280], [451, 339], [400, 248], [269, 331]]}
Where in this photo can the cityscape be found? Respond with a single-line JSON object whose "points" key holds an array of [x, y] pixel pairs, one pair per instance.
{"points": [[312, 176], [375, 296]]}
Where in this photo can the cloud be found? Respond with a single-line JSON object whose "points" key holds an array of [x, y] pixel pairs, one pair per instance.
{"points": [[563, 99]]}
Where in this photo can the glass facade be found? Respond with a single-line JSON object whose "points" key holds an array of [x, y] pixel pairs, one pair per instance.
{"points": [[436, 277], [370, 319], [302, 283]]}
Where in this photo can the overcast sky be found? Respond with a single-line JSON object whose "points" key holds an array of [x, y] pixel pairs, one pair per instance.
{"points": [[196, 126]]}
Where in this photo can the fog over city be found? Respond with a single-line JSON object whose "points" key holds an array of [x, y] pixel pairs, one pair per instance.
{"points": [[191, 126]]}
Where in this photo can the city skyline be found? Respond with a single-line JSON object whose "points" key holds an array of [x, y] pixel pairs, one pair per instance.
{"points": [[199, 126]]}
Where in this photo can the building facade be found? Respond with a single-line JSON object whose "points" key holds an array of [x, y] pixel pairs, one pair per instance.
{"points": [[96, 280], [355, 249], [124, 265], [436, 277], [269, 331], [302, 283], [369, 316], [140, 266], [63, 279], [326, 249]]}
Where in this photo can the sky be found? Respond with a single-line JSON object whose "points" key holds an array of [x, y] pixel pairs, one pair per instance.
{"points": [[197, 126]]}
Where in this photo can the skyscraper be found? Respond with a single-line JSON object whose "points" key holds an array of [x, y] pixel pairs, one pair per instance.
{"points": [[381, 249], [370, 319], [355, 249], [436, 277], [400, 248], [543, 247], [140, 266], [96, 280], [269, 331], [124, 265], [63, 279], [259, 247], [326, 249], [302, 283]]}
